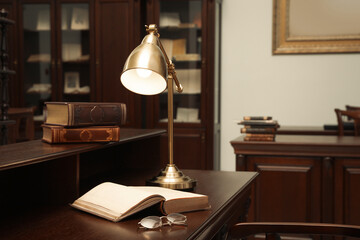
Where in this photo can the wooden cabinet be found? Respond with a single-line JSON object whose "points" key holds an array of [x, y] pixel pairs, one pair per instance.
{"points": [[72, 50], [56, 52], [189, 33], [346, 190], [288, 188], [303, 178]]}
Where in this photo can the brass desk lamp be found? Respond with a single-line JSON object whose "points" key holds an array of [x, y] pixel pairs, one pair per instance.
{"points": [[148, 71]]}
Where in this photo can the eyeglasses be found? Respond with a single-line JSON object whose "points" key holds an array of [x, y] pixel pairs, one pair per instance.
{"points": [[153, 222]]}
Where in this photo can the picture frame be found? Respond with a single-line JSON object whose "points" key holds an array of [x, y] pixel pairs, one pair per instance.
{"points": [[322, 26], [71, 82]]}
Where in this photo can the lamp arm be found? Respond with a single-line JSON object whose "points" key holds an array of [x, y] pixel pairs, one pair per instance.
{"points": [[171, 68]]}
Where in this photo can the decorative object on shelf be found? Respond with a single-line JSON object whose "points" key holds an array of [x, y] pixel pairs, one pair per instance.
{"points": [[148, 71], [4, 77], [42, 57], [40, 88], [80, 19], [71, 51], [71, 82], [170, 19], [187, 115]]}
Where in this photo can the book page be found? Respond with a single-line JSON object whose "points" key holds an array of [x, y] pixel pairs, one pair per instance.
{"points": [[167, 193], [111, 201], [179, 201]]}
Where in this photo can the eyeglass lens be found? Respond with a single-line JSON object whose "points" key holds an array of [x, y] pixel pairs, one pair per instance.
{"points": [[152, 222]]}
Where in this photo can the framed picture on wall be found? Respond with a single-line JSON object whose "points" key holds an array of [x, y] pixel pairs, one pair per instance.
{"points": [[321, 26], [71, 82]]}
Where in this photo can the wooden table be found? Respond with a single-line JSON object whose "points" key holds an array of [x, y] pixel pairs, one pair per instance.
{"points": [[39, 181], [303, 178]]}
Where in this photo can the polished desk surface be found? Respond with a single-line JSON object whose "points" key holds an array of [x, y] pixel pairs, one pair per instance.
{"points": [[312, 145], [225, 190]]}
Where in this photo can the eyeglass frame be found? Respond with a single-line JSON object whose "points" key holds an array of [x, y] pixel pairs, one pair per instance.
{"points": [[169, 222]]}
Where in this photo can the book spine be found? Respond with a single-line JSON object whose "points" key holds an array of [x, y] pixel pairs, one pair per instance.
{"points": [[78, 135], [258, 130], [264, 123], [257, 118], [258, 135], [246, 138]]}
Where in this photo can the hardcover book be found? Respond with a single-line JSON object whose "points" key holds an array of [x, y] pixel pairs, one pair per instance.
{"points": [[115, 202], [257, 118], [60, 134], [269, 130], [259, 122], [252, 138], [85, 113], [259, 135]]}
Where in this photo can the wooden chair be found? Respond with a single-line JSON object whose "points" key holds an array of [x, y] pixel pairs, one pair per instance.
{"points": [[24, 129], [353, 114], [272, 230], [351, 108]]}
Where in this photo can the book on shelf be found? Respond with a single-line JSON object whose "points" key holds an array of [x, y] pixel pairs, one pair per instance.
{"points": [[258, 135], [260, 130], [115, 201], [267, 123], [257, 118], [79, 114], [60, 134], [255, 138]]}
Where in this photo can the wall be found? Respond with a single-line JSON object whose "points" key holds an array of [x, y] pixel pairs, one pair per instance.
{"points": [[294, 89]]}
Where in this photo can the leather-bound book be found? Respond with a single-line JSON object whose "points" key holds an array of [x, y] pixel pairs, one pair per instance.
{"points": [[79, 114], [60, 134]]}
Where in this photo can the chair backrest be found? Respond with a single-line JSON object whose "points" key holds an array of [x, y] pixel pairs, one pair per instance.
{"points": [[353, 114], [274, 229], [352, 108]]}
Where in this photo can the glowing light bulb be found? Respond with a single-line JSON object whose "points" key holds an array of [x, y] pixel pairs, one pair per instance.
{"points": [[143, 73]]}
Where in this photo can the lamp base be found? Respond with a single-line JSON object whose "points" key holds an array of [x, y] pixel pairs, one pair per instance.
{"points": [[172, 177]]}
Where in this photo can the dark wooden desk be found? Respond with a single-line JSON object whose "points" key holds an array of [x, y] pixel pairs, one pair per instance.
{"points": [[38, 181], [312, 130], [303, 178]]}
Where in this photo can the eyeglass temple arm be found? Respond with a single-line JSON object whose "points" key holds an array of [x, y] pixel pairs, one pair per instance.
{"points": [[171, 67]]}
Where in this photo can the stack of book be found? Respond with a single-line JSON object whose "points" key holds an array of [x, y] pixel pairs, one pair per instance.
{"points": [[74, 122], [259, 128]]}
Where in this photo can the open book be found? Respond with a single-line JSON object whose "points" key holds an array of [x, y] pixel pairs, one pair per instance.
{"points": [[114, 201]]}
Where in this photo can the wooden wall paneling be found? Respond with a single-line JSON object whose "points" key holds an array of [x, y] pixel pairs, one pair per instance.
{"points": [[115, 30], [288, 189]]}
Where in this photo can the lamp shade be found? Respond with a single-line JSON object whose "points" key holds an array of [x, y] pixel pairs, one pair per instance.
{"points": [[145, 71]]}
